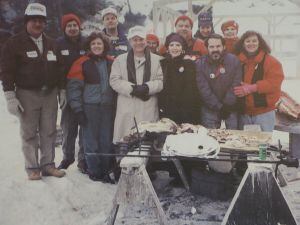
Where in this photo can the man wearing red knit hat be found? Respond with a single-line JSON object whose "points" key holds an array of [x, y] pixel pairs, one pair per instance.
{"points": [[152, 43], [230, 29], [196, 47], [71, 47]]}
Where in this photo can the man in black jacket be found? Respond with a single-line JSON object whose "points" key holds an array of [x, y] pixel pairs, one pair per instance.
{"points": [[70, 48], [32, 80]]}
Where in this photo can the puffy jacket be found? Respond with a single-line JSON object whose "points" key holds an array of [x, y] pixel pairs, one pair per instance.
{"points": [[23, 66], [229, 44], [119, 46], [88, 82], [268, 87], [69, 51], [216, 82], [179, 99]]}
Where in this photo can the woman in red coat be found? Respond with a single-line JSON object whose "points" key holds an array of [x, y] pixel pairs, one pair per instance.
{"points": [[262, 78]]}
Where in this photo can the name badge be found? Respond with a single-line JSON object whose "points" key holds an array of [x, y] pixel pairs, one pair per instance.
{"points": [[64, 52], [51, 56], [82, 52], [122, 47], [32, 54]]}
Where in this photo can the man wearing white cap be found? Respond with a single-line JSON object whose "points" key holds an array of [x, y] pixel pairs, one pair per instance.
{"points": [[32, 80], [112, 29], [137, 78]]}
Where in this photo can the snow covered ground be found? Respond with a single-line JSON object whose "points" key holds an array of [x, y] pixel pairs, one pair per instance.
{"points": [[75, 200]]}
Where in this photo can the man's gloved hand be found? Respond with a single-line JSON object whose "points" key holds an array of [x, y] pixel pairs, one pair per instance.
{"points": [[225, 112], [62, 99], [81, 118], [244, 89], [141, 92], [13, 104]]}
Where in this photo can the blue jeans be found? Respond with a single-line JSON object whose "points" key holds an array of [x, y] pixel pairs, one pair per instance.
{"points": [[265, 120], [211, 119], [97, 137], [69, 127]]}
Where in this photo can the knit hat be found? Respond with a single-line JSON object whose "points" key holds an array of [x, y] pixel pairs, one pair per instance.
{"points": [[205, 19], [109, 10], [152, 37], [230, 23], [184, 17], [67, 18], [175, 37]]}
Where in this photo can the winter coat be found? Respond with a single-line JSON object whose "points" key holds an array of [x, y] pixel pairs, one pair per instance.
{"points": [[129, 106], [88, 83], [268, 87], [119, 46], [196, 48], [229, 44], [179, 100], [216, 82], [23, 66], [69, 51]]}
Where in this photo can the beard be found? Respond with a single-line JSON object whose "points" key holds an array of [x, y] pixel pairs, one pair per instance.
{"points": [[215, 56]]}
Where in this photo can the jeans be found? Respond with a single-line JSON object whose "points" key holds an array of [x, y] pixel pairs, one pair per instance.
{"points": [[97, 137], [69, 127], [265, 120], [211, 119]]}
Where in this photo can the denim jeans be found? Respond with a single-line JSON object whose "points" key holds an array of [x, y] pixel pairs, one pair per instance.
{"points": [[265, 120], [69, 127], [97, 137], [211, 119]]}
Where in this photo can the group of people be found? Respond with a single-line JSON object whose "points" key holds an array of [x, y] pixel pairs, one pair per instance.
{"points": [[103, 81]]}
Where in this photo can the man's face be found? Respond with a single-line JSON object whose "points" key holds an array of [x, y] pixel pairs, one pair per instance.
{"points": [[72, 29], [36, 26], [152, 45], [110, 21], [215, 49], [205, 30], [184, 28], [138, 44], [230, 32]]}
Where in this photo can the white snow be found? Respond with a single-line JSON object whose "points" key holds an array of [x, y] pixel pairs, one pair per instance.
{"points": [[75, 199]]}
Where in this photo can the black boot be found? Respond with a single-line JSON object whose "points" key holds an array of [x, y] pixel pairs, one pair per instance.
{"points": [[82, 166], [65, 163]]}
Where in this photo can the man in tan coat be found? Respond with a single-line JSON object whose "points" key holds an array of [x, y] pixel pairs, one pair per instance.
{"points": [[137, 77]]}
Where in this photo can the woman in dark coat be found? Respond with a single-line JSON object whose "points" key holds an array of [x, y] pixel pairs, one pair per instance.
{"points": [[179, 100]]}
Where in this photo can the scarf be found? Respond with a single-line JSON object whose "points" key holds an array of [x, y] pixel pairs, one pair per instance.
{"points": [[131, 67]]}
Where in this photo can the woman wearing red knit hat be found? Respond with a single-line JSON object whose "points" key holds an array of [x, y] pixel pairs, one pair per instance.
{"points": [[152, 43], [230, 30]]}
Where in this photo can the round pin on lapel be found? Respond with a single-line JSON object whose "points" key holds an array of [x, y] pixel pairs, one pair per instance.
{"points": [[212, 75], [181, 69], [222, 70]]}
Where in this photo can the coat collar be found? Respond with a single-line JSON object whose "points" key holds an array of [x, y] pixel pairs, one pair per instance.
{"points": [[257, 59]]}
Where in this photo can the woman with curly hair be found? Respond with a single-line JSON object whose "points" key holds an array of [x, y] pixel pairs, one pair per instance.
{"points": [[262, 79]]}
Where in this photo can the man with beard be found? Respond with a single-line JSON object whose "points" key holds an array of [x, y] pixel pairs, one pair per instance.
{"points": [[70, 47], [217, 74], [195, 47]]}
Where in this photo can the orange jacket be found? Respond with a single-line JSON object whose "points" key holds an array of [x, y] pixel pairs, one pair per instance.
{"points": [[196, 48], [229, 44], [270, 85]]}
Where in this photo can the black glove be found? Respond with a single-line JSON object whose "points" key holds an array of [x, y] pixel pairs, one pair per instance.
{"points": [[141, 92], [225, 112], [81, 118]]}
